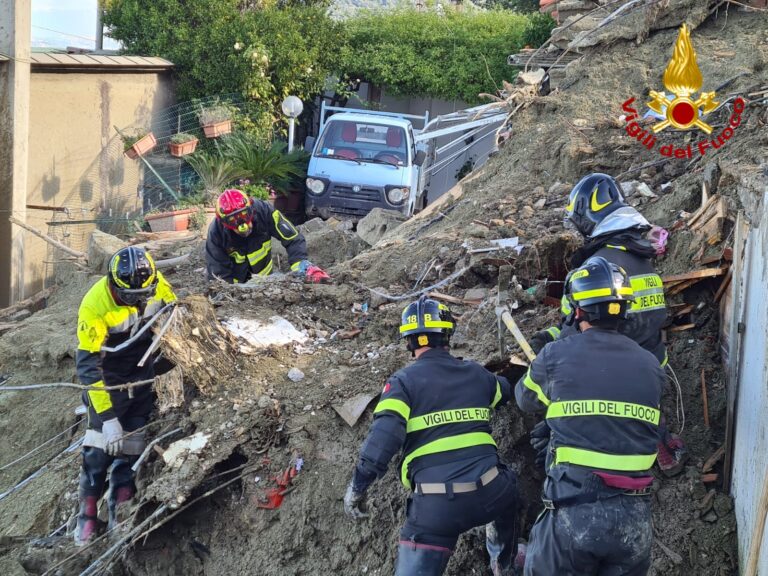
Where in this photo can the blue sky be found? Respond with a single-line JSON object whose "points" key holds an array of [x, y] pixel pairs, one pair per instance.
{"points": [[62, 23]]}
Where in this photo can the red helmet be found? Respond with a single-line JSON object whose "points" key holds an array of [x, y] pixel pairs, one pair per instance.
{"points": [[233, 209]]}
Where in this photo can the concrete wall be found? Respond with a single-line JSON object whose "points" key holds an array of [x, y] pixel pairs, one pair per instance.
{"points": [[750, 457], [75, 156]]}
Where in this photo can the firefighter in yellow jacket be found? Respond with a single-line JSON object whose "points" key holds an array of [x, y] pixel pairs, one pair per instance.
{"points": [[113, 337]]}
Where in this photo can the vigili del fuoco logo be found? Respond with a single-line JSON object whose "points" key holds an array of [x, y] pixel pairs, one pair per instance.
{"points": [[683, 111]]}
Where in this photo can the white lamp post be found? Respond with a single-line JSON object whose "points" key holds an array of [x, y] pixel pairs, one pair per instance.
{"points": [[292, 107]]}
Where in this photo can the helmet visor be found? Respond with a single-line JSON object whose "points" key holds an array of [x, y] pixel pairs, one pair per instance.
{"points": [[237, 219], [133, 296]]}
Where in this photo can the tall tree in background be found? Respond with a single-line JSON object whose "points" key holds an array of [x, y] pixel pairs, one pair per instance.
{"points": [[263, 50]]}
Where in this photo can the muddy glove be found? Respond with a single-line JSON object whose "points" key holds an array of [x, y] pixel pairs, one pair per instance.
{"points": [[542, 338], [353, 502], [540, 441], [113, 437]]}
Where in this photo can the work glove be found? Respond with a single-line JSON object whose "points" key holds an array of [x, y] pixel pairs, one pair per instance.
{"points": [[541, 339], [540, 441], [113, 437], [313, 273], [353, 502]]}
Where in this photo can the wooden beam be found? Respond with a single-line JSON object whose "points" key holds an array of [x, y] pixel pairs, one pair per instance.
{"points": [[453, 299], [723, 286], [681, 328], [704, 273], [714, 459], [32, 302], [680, 286], [51, 241]]}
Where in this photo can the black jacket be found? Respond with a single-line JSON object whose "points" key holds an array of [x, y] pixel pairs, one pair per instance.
{"points": [[648, 313], [437, 409], [602, 393], [235, 258]]}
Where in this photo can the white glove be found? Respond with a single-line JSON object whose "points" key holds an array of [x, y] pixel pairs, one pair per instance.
{"points": [[113, 437]]}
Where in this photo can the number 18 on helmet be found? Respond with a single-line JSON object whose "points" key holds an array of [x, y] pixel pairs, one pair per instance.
{"points": [[426, 322]]}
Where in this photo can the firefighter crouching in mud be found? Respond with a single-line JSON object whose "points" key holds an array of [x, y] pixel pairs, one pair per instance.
{"points": [[437, 409], [601, 392], [110, 348], [239, 243], [617, 232]]}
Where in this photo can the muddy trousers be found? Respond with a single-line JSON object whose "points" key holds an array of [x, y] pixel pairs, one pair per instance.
{"points": [[609, 537], [434, 523], [96, 464]]}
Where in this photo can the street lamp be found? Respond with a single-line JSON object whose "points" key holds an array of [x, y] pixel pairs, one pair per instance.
{"points": [[292, 107]]}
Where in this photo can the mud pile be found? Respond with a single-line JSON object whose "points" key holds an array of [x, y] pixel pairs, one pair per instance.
{"points": [[255, 485]]}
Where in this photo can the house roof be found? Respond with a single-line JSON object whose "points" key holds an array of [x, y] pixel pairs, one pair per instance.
{"points": [[59, 61]]}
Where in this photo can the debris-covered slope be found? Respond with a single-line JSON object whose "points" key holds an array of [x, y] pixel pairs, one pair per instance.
{"points": [[263, 493]]}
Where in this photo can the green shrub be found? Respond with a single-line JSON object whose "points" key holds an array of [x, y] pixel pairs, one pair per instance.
{"points": [[538, 29], [182, 138], [457, 55]]}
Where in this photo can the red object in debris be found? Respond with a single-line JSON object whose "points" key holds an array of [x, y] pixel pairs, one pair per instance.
{"points": [[317, 275], [275, 496]]}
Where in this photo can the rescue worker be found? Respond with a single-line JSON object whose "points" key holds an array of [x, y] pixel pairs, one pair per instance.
{"points": [[437, 410], [239, 243], [111, 346], [601, 392], [616, 231]]}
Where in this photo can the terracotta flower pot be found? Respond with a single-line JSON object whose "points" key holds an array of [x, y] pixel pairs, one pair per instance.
{"points": [[173, 221], [183, 149], [141, 147], [217, 129]]}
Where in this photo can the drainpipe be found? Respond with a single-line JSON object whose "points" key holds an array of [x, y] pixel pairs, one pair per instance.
{"points": [[99, 26]]}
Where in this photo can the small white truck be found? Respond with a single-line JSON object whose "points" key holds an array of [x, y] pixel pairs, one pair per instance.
{"points": [[364, 159]]}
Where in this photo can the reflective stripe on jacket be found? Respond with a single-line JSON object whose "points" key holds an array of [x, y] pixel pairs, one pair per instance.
{"points": [[102, 322], [601, 392], [444, 403], [235, 258], [648, 312]]}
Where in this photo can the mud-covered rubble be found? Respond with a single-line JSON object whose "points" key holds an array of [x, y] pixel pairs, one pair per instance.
{"points": [[272, 436]]}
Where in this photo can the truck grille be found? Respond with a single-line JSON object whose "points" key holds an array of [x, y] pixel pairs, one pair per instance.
{"points": [[346, 193]]}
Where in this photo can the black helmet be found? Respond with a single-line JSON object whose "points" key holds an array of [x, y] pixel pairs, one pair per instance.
{"points": [[132, 275], [426, 322], [591, 200], [599, 288]]}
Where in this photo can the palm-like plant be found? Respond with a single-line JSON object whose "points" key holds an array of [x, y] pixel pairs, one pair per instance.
{"points": [[215, 171], [266, 164]]}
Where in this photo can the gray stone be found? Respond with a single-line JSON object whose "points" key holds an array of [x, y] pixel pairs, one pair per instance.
{"points": [[264, 401], [295, 375], [377, 223], [540, 203], [476, 294], [101, 247], [314, 225]]}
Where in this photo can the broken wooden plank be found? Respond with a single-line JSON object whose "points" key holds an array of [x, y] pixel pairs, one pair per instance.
{"points": [[714, 459], [704, 400], [703, 209], [686, 309], [453, 299], [703, 273], [708, 478], [723, 286], [680, 286], [681, 328]]}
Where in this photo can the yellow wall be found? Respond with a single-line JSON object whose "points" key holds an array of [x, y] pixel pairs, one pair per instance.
{"points": [[75, 156]]}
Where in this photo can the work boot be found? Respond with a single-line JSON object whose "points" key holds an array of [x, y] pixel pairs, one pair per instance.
{"points": [[672, 455], [118, 498], [421, 559], [87, 520]]}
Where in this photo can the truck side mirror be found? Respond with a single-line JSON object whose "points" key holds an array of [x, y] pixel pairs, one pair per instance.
{"points": [[309, 143], [420, 157]]}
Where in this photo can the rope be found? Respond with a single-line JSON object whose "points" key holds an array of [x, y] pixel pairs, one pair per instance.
{"points": [[679, 407]]}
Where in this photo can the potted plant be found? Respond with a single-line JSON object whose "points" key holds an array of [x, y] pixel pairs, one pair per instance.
{"points": [[216, 120], [138, 143], [169, 220], [216, 172], [182, 144]]}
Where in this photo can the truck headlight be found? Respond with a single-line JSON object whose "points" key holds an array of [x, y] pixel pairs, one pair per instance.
{"points": [[398, 195], [315, 186]]}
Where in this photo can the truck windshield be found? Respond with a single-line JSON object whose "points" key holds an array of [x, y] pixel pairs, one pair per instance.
{"points": [[364, 142]]}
